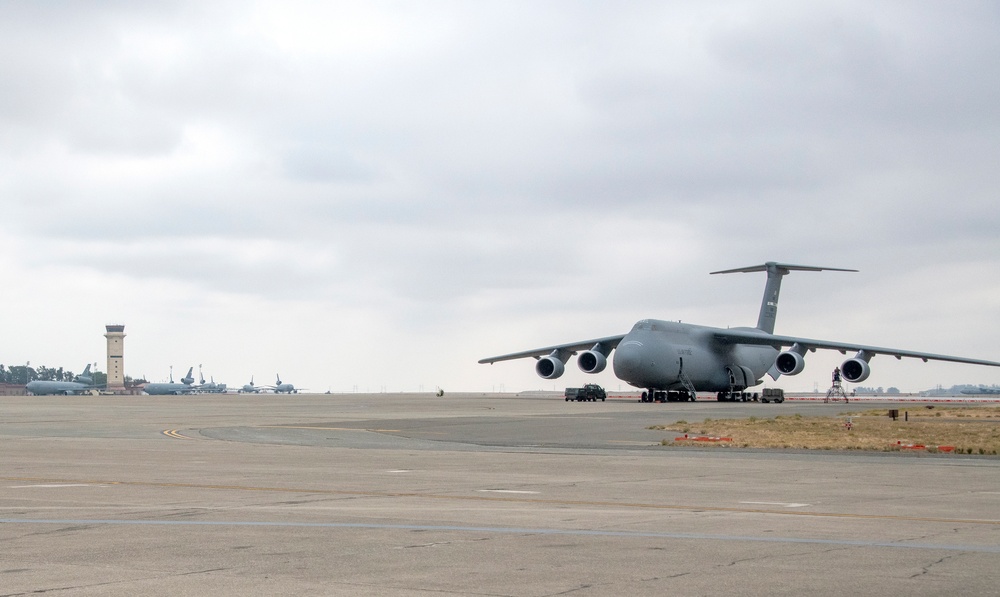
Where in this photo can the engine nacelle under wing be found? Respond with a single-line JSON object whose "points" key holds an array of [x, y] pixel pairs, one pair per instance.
{"points": [[591, 361], [855, 370], [790, 363], [549, 367]]}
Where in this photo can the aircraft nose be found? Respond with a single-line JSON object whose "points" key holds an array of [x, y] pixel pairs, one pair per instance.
{"points": [[628, 360]]}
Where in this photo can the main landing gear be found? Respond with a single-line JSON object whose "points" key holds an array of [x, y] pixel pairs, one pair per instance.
{"points": [[661, 396]]}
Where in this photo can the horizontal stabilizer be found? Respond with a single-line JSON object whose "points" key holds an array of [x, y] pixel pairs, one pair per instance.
{"points": [[776, 271], [783, 266]]}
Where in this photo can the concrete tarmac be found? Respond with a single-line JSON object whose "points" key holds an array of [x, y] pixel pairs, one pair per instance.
{"points": [[467, 495]]}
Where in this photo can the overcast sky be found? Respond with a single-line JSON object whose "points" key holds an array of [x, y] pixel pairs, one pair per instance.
{"points": [[368, 196]]}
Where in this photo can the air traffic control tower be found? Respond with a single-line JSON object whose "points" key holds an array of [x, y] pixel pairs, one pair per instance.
{"points": [[116, 357]]}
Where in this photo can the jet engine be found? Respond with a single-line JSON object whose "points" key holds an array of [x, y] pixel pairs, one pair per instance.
{"points": [[790, 363], [549, 367], [591, 361], [855, 370]]}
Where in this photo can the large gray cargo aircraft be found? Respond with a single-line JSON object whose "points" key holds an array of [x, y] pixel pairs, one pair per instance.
{"points": [[249, 388], [210, 387], [281, 387], [172, 387], [673, 360], [81, 384]]}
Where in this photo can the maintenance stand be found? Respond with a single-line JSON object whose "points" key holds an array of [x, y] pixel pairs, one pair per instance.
{"points": [[836, 391]]}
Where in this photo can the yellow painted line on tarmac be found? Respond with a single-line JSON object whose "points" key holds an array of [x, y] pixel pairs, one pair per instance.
{"points": [[632, 443], [176, 434], [514, 500]]}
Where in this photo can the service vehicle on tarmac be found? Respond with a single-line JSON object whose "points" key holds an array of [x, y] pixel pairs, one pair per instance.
{"points": [[772, 395], [588, 393]]}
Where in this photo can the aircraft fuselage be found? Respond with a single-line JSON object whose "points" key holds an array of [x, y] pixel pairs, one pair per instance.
{"points": [[168, 388], [43, 388], [670, 355]]}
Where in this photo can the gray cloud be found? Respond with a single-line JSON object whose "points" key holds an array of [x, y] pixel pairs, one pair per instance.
{"points": [[461, 171]]}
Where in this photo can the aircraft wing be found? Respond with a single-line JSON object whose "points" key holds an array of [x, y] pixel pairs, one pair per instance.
{"points": [[608, 343], [779, 342]]}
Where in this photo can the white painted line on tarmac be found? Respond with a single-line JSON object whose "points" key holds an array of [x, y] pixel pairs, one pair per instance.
{"points": [[782, 504], [53, 485], [506, 491]]}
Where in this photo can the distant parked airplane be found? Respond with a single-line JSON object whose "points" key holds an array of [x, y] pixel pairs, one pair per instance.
{"points": [[278, 388], [171, 387], [81, 384], [982, 390], [249, 388], [210, 387], [673, 360], [283, 388]]}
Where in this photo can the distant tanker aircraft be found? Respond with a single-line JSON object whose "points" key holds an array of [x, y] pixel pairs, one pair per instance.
{"points": [[249, 388], [279, 387], [171, 387], [673, 360], [81, 384], [210, 387]]}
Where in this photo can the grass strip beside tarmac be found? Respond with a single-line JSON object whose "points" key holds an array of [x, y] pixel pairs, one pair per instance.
{"points": [[961, 430]]}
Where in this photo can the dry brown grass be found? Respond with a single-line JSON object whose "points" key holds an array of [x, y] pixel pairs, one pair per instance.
{"points": [[969, 430]]}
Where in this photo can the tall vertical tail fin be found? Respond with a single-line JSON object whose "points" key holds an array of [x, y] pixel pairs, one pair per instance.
{"points": [[85, 377], [775, 271]]}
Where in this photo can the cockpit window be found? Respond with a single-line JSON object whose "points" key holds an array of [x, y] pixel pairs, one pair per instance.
{"points": [[657, 325]]}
